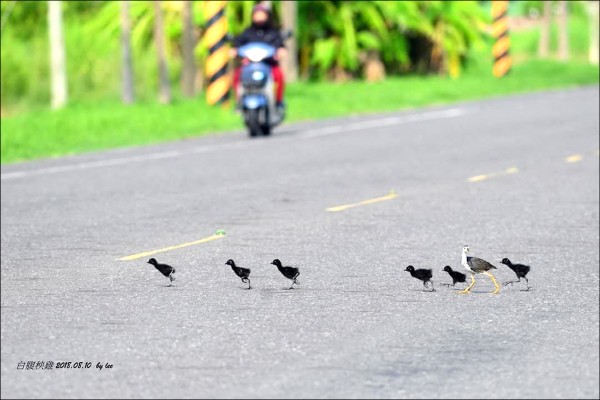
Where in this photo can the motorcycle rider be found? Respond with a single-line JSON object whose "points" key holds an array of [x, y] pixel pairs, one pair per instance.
{"points": [[262, 30]]}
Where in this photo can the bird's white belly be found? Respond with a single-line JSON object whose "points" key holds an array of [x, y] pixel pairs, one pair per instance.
{"points": [[465, 264]]}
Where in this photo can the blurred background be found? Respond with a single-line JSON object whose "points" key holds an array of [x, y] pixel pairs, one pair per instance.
{"points": [[347, 57]]}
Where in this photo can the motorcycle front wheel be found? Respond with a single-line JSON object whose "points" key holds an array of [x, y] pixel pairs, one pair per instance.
{"points": [[253, 122], [265, 126]]}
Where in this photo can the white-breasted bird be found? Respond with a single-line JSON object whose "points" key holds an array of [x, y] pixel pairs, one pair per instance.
{"points": [[477, 266]]}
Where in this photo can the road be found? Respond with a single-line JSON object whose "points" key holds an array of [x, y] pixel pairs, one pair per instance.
{"points": [[512, 177]]}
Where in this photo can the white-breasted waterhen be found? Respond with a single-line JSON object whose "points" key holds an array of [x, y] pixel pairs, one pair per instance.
{"points": [[477, 266]]}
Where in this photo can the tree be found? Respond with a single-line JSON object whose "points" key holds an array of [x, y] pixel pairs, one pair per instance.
{"points": [[563, 31], [127, 91], [544, 43], [347, 28], [58, 67], [189, 67], [289, 16], [159, 39], [425, 36]]}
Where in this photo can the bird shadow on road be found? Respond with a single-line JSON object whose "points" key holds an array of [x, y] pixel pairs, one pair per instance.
{"points": [[166, 286], [529, 289], [272, 291]]}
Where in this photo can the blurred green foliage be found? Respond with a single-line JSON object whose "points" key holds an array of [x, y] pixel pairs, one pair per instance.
{"points": [[333, 37], [335, 40]]}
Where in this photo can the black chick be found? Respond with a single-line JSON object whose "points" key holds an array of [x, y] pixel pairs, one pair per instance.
{"points": [[243, 273], [424, 275], [520, 270], [164, 269], [456, 276], [289, 272]]}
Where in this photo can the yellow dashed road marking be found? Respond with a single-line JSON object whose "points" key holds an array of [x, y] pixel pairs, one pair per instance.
{"points": [[390, 196], [479, 178], [178, 246], [574, 158]]}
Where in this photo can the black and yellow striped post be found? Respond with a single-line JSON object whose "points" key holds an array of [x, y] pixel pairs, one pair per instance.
{"points": [[502, 60], [215, 38]]}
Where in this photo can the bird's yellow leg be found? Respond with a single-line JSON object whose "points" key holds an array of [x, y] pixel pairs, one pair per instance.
{"points": [[495, 283], [468, 289]]}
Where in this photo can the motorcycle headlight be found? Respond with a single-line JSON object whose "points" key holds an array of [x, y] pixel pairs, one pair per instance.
{"points": [[258, 75]]}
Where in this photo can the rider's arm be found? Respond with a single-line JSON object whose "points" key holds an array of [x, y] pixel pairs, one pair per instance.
{"points": [[279, 43], [281, 53], [236, 43]]}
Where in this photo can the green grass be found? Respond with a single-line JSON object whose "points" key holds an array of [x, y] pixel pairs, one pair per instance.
{"points": [[101, 125], [409, 92], [92, 126]]}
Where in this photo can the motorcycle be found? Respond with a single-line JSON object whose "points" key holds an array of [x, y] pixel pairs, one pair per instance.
{"points": [[257, 89]]}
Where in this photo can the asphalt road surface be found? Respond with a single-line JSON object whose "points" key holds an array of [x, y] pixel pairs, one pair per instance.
{"points": [[512, 177]]}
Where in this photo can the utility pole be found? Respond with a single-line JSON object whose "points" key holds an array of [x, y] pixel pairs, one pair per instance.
{"points": [[219, 81], [501, 47]]}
